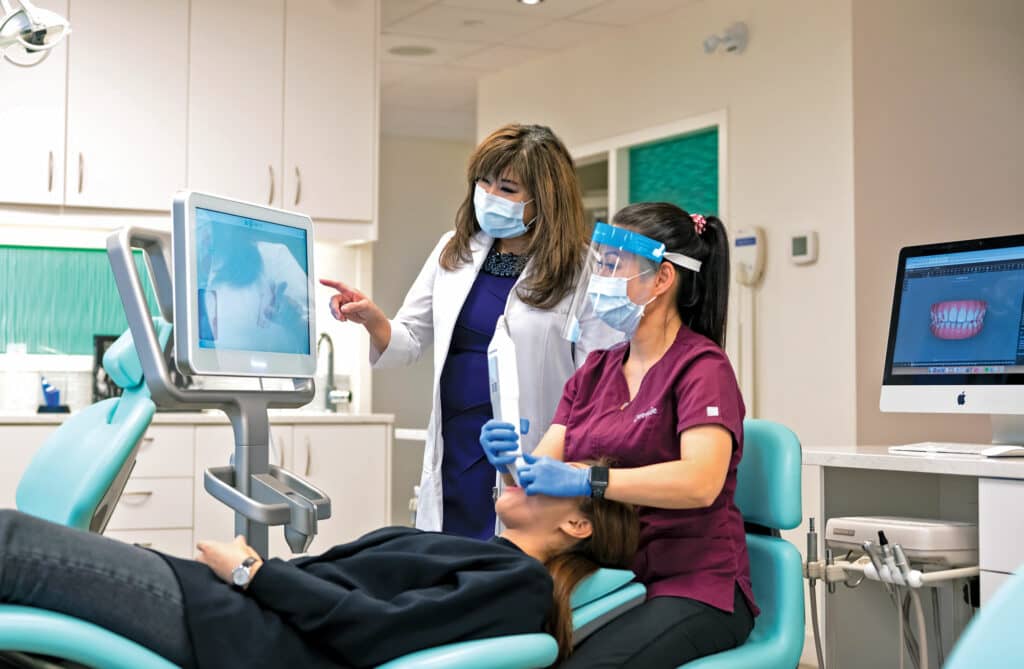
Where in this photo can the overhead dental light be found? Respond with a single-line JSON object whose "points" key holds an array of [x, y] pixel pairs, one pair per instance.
{"points": [[733, 40], [28, 34]]}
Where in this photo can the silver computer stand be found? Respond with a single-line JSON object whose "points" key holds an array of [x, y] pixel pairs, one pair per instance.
{"points": [[261, 494]]}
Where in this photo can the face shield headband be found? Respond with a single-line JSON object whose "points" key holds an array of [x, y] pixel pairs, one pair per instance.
{"points": [[601, 299]]}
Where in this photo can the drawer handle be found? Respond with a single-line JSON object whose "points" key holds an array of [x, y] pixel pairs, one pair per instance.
{"points": [[141, 497], [145, 544], [147, 441]]}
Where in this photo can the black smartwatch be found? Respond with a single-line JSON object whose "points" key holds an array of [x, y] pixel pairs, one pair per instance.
{"points": [[598, 481]]}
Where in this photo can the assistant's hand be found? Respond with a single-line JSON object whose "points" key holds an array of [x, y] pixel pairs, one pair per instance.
{"points": [[547, 476], [222, 557], [351, 305], [499, 441]]}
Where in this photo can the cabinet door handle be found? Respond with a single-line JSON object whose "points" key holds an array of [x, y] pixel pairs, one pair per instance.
{"points": [[49, 177], [140, 497], [270, 200], [81, 170], [146, 441], [298, 185], [309, 456]]}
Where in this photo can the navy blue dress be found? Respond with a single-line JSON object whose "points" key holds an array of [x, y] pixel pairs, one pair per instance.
{"points": [[467, 478]]}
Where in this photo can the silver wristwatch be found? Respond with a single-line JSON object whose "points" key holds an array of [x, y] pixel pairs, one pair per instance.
{"points": [[242, 574]]}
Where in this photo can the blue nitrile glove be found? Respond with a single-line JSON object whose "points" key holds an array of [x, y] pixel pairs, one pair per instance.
{"points": [[547, 476], [499, 441]]}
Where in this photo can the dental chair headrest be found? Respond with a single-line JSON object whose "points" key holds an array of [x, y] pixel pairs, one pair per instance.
{"points": [[121, 360]]}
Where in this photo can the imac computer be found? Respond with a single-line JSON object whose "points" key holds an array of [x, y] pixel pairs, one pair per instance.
{"points": [[956, 338], [243, 295]]}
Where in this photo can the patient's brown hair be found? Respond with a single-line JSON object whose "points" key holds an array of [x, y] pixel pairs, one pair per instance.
{"points": [[613, 544]]}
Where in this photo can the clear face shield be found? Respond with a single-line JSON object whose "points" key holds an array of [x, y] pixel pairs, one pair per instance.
{"points": [[615, 286]]}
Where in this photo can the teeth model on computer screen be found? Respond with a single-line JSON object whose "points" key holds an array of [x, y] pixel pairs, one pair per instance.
{"points": [[958, 319]]}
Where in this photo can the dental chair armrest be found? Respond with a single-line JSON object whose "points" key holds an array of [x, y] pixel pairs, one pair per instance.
{"points": [[54, 634], [519, 651]]}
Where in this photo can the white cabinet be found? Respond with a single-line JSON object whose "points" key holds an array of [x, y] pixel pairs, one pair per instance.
{"points": [[32, 123], [17, 446], [236, 79], [330, 108], [351, 463], [126, 103]]}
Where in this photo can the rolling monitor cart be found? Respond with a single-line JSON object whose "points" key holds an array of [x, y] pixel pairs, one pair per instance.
{"points": [[956, 338], [241, 302]]}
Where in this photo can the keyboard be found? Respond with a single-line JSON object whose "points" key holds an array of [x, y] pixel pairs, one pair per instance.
{"points": [[936, 448]]}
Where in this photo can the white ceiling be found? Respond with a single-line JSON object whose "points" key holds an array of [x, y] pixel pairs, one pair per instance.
{"points": [[435, 95]]}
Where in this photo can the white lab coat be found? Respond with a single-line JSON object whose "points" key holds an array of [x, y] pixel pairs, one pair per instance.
{"points": [[428, 315]]}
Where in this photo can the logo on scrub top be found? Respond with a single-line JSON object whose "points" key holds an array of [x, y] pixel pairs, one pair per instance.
{"points": [[653, 411], [961, 399]]}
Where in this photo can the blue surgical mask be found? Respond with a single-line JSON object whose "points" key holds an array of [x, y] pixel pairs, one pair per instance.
{"points": [[498, 217], [612, 304]]}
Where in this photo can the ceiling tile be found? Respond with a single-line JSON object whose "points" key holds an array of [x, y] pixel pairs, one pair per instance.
{"points": [[441, 89], [553, 9], [394, 10], [630, 12], [565, 34], [391, 73], [445, 51], [467, 25], [497, 58], [456, 125]]}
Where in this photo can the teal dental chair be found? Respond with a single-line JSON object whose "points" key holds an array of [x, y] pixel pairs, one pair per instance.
{"points": [[77, 477], [768, 495], [993, 639]]}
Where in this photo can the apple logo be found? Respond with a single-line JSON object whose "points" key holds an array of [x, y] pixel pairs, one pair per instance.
{"points": [[961, 399]]}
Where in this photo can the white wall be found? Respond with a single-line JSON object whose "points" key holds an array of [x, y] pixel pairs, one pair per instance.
{"points": [[790, 165], [422, 183], [938, 96]]}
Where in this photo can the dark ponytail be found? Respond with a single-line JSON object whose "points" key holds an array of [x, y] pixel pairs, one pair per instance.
{"points": [[702, 298]]}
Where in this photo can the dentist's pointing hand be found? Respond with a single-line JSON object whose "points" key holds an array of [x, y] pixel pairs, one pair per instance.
{"points": [[352, 305]]}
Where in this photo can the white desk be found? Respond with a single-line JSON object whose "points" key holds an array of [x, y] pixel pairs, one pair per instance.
{"points": [[868, 480]]}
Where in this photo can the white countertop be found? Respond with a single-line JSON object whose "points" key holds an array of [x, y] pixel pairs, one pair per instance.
{"points": [[218, 417], [878, 457]]}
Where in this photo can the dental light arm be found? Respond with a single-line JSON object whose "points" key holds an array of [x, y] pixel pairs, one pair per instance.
{"points": [[24, 26]]}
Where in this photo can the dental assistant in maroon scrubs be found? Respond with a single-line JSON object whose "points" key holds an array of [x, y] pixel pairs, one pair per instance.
{"points": [[665, 408]]}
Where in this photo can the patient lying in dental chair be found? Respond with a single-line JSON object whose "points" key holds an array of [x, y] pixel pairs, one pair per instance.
{"points": [[389, 593]]}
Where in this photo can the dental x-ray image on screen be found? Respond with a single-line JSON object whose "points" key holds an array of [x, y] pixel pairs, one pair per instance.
{"points": [[252, 284]]}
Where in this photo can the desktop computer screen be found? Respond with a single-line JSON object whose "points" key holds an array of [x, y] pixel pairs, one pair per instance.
{"points": [[957, 320], [245, 279]]}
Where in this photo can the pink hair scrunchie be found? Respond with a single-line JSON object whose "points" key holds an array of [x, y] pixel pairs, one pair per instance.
{"points": [[699, 223]]}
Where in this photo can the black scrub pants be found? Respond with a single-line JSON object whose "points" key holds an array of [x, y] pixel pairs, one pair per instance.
{"points": [[664, 633]]}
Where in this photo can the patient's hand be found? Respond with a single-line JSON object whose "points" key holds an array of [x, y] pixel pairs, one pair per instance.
{"points": [[222, 557]]}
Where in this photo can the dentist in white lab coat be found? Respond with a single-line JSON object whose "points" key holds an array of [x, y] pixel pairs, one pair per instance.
{"points": [[517, 248]]}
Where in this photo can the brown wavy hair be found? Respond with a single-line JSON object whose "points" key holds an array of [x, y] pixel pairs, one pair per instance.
{"points": [[613, 544], [543, 167]]}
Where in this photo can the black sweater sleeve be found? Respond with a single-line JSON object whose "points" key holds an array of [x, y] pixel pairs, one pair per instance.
{"points": [[392, 592]]}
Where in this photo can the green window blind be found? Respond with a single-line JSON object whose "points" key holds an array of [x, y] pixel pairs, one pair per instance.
{"points": [[681, 170], [55, 299]]}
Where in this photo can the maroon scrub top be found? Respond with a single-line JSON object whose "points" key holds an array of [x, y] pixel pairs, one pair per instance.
{"points": [[695, 553]]}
